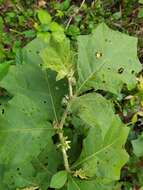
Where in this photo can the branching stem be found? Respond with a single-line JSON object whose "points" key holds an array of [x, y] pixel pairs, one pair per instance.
{"points": [[60, 129]]}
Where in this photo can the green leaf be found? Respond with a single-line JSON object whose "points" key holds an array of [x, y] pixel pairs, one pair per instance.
{"points": [[55, 27], [4, 69], [59, 37], [34, 83], [32, 49], [103, 146], [58, 180], [25, 126], [141, 1], [138, 146], [44, 17], [25, 132], [45, 36], [107, 59], [77, 184], [140, 13], [58, 57], [63, 5], [31, 55], [46, 165], [117, 15], [73, 31], [29, 33]]}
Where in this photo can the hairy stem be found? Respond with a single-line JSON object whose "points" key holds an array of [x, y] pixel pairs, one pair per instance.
{"points": [[60, 128], [64, 152]]}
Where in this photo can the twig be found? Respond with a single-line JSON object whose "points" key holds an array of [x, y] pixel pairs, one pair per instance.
{"points": [[76, 12], [15, 31]]}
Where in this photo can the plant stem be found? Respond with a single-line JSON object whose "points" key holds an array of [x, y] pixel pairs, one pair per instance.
{"points": [[15, 31], [64, 152], [62, 139], [60, 127], [70, 88]]}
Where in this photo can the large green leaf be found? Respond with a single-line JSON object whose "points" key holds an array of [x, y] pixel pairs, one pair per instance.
{"points": [[107, 59], [103, 152], [25, 129], [31, 81], [24, 133]]}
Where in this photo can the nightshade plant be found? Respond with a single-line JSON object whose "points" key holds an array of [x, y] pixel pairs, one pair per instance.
{"points": [[58, 128]]}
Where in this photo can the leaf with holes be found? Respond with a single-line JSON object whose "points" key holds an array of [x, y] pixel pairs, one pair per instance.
{"points": [[32, 50], [103, 146], [107, 59], [25, 129]]}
